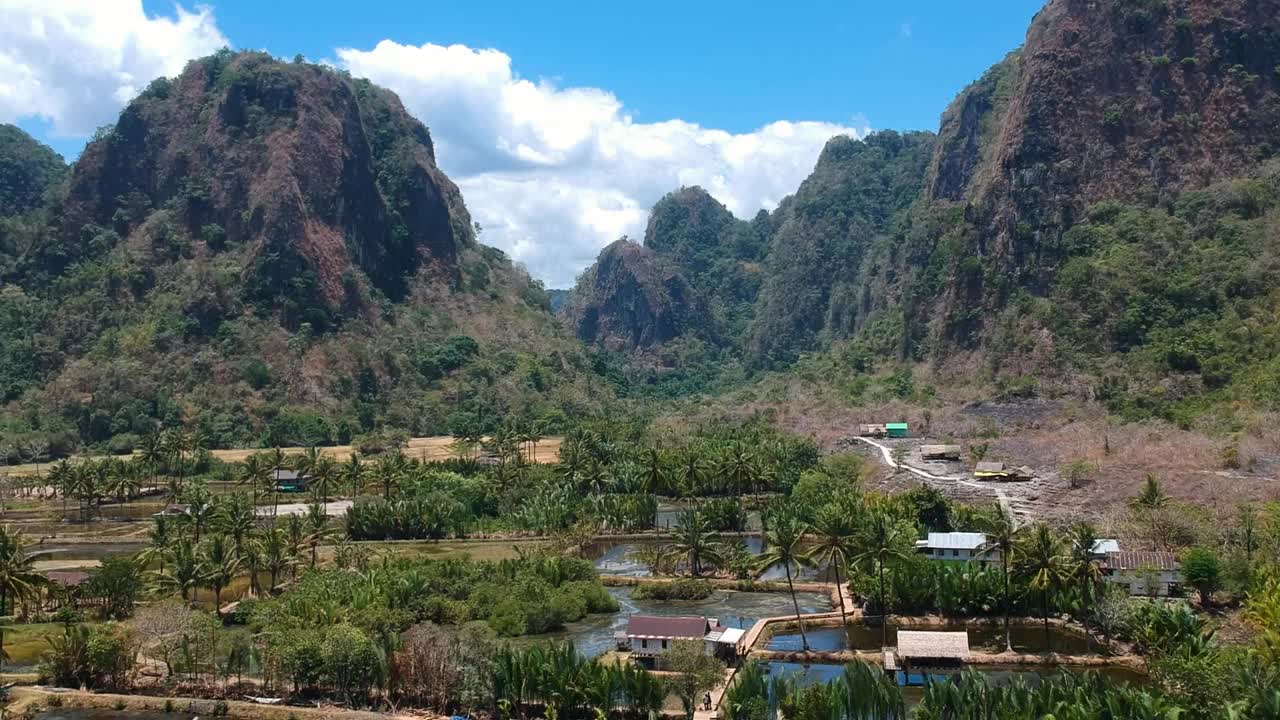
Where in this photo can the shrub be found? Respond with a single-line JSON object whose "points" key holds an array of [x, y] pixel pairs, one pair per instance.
{"points": [[682, 589]]}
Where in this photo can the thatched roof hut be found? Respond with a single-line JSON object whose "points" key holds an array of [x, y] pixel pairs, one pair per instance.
{"points": [[933, 647]]}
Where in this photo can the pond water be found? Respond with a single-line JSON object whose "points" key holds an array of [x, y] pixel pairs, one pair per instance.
{"points": [[983, 637], [618, 558], [60, 550], [594, 635]]}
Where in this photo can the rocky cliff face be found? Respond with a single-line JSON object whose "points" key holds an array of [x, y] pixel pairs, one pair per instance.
{"points": [[321, 177], [633, 299], [1135, 101]]}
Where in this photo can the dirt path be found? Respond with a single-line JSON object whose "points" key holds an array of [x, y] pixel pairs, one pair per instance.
{"points": [[886, 453]]}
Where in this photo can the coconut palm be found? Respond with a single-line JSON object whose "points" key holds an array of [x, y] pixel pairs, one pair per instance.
{"points": [[159, 538], [201, 510], [236, 517], [222, 565], [318, 529], [388, 472], [694, 541], [151, 453], [255, 472], [1084, 569], [837, 536], [253, 557], [18, 576], [324, 472], [353, 474], [62, 479], [1002, 537], [738, 467], [783, 545], [296, 536], [692, 475], [275, 553], [883, 541], [1045, 564], [655, 472], [186, 569]]}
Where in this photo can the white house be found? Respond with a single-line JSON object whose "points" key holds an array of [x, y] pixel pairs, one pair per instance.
{"points": [[649, 636], [957, 546], [1103, 547], [1156, 574]]}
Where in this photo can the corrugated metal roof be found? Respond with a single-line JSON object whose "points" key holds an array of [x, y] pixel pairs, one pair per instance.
{"points": [[988, 466], [1136, 560], [654, 626], [932, 644], [728, 636], [956, 541], [896, 426]]}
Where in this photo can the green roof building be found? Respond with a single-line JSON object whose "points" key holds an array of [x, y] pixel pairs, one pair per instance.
{"points": [[896, 430]]}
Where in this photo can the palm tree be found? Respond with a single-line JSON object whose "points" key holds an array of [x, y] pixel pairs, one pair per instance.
{"points": [[151, 453], [739, 467], [200, 511], [1084, 569], [296, 534], [222, 564], [655, 471], [883, 541], [387, 473], [353, 474], [253, 556], [783, 545], [1002, 537], [18, 576], [275, 553], [236, 517], [1045, 565], [692, 474], [323, 474], [176, 442], [837, 536], [1152, 496], [318, 527], [61, 479], [694, 541], [186, 570], [254, 472], [159, 538]]}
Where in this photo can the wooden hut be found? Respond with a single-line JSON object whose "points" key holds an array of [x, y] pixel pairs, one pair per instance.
{"points": [[940, 452], [919, 648]]}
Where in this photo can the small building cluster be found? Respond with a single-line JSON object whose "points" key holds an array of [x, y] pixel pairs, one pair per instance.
{"points": [[648, 637], [880, 430], [1154, 574], [1000, 472]]}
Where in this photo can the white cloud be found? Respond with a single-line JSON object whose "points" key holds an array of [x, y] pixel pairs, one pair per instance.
{"points": [[554, 174], [76, 63]]}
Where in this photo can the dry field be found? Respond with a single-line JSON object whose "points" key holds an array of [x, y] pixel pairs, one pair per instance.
{"points": [[424, 448]]}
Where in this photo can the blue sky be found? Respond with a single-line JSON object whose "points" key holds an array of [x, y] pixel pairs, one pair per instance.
{"points": [[720, 64], [561, 122]]}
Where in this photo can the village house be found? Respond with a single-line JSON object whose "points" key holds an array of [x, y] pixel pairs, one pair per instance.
{"points": [[957, 546], [647, 637], [1153, 574], [289, 481]]}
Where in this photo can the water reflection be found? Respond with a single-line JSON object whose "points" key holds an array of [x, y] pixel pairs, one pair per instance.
{"points": [[619, 558], [983, 637]]}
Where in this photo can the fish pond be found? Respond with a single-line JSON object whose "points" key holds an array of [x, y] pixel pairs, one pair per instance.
{"points": [[985, 637]]}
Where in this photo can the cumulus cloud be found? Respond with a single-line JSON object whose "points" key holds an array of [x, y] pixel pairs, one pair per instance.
{"points": [[75, 63], [554, 174]]}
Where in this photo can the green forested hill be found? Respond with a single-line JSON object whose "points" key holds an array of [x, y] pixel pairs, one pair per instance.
{"points": [[267, 252], [28, 170]]}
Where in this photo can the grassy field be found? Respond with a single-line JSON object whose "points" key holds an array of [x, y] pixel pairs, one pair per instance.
{"points": [[24, 643], [423, 448]]}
